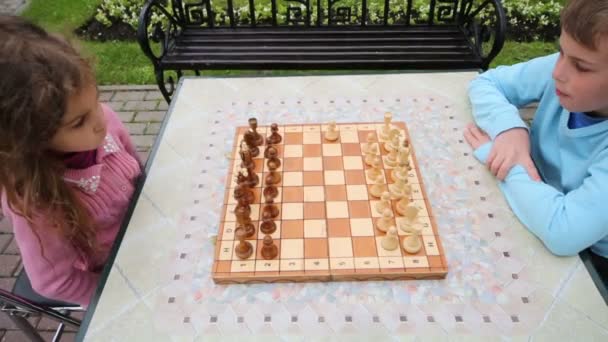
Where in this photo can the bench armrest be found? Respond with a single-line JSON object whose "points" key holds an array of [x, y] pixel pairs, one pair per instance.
{"points": [[158, 23], [481, 24]]}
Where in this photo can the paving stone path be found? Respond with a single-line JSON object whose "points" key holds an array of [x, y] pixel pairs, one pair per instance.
{"points": [[12, 6]]}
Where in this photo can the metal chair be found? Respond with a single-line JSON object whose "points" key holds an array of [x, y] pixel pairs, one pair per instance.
{"points": [[24, 302]]}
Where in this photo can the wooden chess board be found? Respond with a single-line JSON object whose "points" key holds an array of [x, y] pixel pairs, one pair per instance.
{"points": [[326, 226]]}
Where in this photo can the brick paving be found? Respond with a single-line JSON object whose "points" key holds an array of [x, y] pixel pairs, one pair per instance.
{"points": [[142, 109], [12, 6]]}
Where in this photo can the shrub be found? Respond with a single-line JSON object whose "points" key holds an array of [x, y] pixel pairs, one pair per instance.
{"points": [[527, 19]]}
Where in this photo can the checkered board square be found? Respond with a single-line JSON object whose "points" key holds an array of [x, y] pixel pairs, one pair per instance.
{"points": [[326, 226]]}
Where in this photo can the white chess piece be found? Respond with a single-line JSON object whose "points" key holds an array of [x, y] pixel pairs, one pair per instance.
{"points": [[399, 190], [377, 188], [412, 243], [370, 156], [386, 129], [385, 203], [390, 241], [393, 141], [401, 171], [386, 221], [371, 145], [332, 134], [391, 159], [376, 170], [409, 219]]}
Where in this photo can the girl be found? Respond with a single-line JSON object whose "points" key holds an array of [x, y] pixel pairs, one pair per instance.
{"points": [[67, 164]]}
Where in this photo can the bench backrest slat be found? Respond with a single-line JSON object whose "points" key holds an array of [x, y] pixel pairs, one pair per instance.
{"points": [[255, 13]]}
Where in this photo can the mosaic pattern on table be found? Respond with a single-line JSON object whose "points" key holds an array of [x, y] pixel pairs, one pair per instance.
{"points": [[487, 291]]}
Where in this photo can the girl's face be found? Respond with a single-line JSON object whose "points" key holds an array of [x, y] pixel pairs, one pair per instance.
{"points": [[83, 126]]}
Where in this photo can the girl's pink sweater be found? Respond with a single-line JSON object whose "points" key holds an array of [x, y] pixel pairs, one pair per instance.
{"points": [[56, 270]]}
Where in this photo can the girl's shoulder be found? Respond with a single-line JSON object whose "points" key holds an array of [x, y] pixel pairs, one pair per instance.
{"points": [[112, 117]]}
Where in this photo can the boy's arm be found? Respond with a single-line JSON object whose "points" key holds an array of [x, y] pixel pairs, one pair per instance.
{"points": [[496, 94], [566, 223]]}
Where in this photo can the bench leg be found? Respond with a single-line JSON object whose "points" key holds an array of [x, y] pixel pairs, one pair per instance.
{"points": [[160, 80]]}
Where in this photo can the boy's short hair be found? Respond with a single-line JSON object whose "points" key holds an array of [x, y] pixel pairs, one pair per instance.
{"points": [[586, 21]]}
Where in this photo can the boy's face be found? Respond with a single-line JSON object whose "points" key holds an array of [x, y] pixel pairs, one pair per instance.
{"points": [[83, 126], [581, 76]]}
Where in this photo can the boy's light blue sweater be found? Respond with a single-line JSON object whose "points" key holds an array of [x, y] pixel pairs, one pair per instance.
{"points": [[568, 210]]}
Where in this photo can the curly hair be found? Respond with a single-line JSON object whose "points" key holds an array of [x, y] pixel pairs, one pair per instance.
{"points": [[39, 72]]}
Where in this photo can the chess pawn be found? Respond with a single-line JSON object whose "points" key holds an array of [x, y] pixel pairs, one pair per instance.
{"points": [[273, 178], [412, 243], [386, 129], [244, 249], [269, 249], [385, 203], [332, 134], [370, 146], [391, 159], [275, 137], [268, 226], [386, 221], [270, 193], [376, 170], [270, 210], [370, 156], [390, 241], [273, 164], [399, 190], [377, 188], [253, 126]]}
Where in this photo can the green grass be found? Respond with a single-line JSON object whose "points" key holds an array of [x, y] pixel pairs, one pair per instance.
{"points": [[514, 52], [120, 63], [61, 15], [124, 63]]}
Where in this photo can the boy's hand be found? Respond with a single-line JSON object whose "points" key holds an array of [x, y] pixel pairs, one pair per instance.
{"points": [[511, 147]]}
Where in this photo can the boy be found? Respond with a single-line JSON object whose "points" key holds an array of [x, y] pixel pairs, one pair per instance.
{"points": [[555, 176]]}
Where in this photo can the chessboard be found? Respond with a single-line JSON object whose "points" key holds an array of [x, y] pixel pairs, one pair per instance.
{"points": [[338, 212]]}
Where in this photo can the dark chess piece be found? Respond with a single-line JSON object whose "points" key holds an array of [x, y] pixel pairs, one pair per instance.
{"points": [[253, 128], [246, 157], [268, 226], [271, 152], [269, 249], [252, 178], [273, 178], [242, 190], [270, 210], [249, 139], [275, 137], [270, 193], [242, 212], [244, 249]]}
